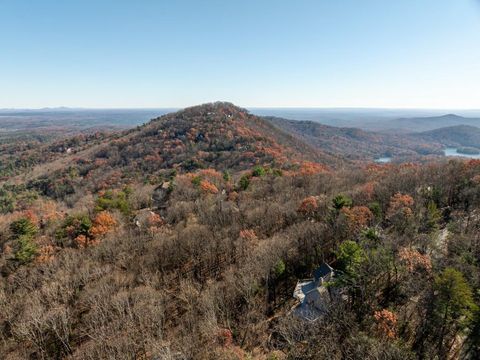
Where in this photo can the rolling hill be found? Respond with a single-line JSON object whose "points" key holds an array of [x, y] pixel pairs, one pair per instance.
{"points": [[358, 144], [420, 124], [459, 135], [218, 135]]}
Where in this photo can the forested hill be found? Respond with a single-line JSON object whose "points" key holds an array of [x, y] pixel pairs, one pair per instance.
{"points": [[460, 135], [354, 143], [218, 135]]}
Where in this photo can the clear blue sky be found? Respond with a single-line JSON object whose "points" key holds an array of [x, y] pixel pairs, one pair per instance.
{"points": [[174, 53]]}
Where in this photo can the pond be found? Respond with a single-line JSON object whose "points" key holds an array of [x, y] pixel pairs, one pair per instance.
{"points": [[383, 160], [454, 152]]}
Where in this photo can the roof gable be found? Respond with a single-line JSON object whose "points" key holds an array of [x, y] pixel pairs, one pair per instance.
{"points": [[322, 271]]}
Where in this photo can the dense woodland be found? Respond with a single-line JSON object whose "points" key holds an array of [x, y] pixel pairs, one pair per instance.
{"points": [[460, 135], [184, 239], [358, 144]]}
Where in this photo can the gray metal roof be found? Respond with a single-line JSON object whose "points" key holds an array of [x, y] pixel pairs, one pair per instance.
{"points": [[322, 271]]}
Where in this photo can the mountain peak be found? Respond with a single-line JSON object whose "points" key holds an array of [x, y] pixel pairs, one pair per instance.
{"points": [[455, 116], [214, 108], [215, 135]]}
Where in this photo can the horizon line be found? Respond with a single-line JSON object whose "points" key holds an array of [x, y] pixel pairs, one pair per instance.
{"points": [[246, 107]]}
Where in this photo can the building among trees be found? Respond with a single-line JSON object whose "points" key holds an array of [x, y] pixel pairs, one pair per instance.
{"points": [[312, 294]]}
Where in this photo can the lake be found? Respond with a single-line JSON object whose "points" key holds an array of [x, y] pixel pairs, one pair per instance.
{"points": [[453, 152], [383, 160]]}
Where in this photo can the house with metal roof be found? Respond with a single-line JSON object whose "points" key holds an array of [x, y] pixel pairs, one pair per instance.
{"points": [[312, 294]]}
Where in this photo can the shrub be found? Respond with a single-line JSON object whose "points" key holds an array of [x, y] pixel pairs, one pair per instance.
{"points": [[277, 172], [73, 227], [341, 201], [196, 180], [244, 182], [7, 202], [376, 210], [279, 268], [114, 200], [23, 226], [227, 176], [371, 234], [27, 249], [258, 171]]}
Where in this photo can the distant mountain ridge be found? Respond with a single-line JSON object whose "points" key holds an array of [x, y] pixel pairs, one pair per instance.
{"points": [[421, 124]]}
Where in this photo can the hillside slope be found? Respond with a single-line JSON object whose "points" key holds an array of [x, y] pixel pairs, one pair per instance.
{"points": [[212, 135], [460, 135], [218, 135], [358, 144]]}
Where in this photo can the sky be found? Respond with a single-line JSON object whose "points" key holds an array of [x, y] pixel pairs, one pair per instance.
{"points": [[254, 53]]}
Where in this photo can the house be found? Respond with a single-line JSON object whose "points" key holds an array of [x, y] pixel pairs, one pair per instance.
{"points": [[323, 273], [161, 195], [312, 294], [142, 218]]}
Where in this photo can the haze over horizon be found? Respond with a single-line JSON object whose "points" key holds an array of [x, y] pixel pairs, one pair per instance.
{"points": [[444, 111], [320, 54]]}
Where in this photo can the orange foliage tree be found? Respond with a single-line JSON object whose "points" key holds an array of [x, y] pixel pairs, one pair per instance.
{"points": [[386, 323], [400, 210], [311, 168], [208, 187], [358, 217], [46, 254], [102, 224], [413, 260], [211, 173], [308, 206], [82, 241], [248, 234], [400, 202], [30, 215], [155, 221], [368, 190]]}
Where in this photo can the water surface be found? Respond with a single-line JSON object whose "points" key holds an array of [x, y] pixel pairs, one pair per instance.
{"points": [[383, 160], [454, 152]]}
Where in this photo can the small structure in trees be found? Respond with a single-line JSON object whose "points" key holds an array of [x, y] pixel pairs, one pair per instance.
{"points": [[161, 195], [147, 219], [312, 294]]}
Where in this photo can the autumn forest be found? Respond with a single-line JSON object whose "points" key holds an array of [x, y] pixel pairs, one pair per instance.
{"points": [[185, 237]]}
